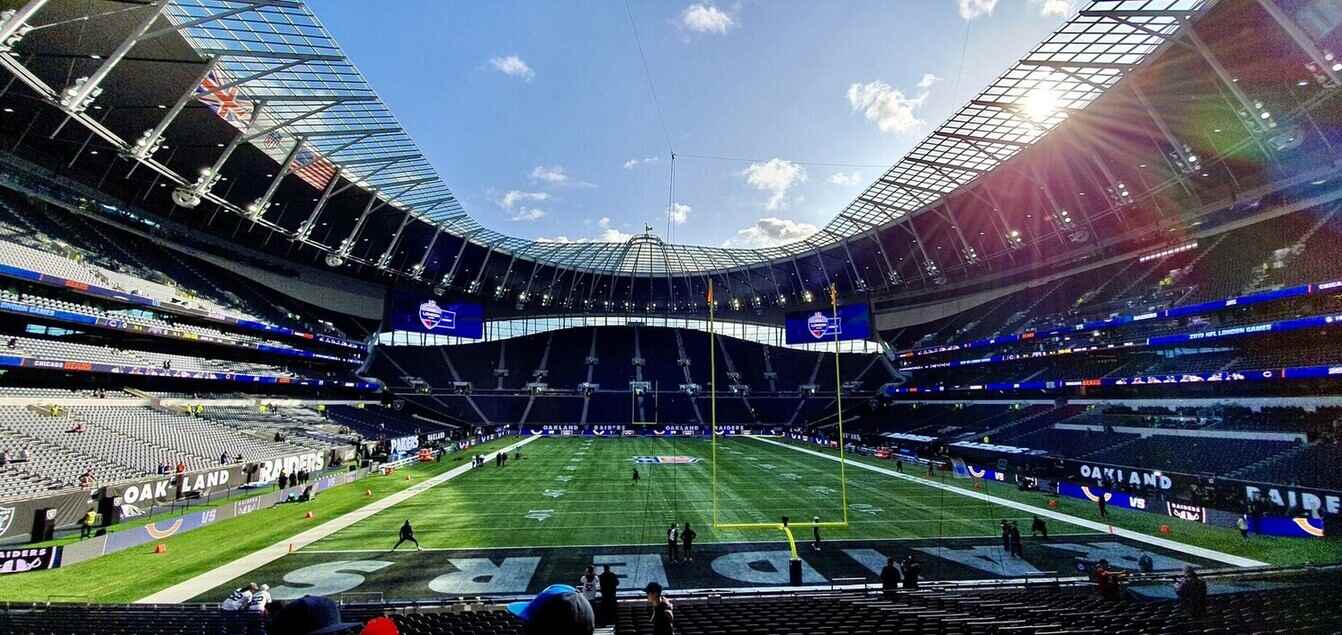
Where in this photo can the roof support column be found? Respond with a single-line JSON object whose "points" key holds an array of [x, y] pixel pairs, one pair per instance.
{"points": [[16, 26], [305, 227], [152, 139], [418, 269], [190, 195], [257, 209], [78, 96], [451, 274]]}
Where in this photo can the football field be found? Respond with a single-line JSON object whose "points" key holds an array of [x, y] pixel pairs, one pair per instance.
{"points": [[569, 502]]}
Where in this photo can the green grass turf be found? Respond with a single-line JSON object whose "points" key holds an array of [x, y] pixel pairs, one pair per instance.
{"points": [[585, 486], [135, 573], [1273, 550]]}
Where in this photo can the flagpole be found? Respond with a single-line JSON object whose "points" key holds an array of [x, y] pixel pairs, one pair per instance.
{"points": [[713, 398], [838, 400]]}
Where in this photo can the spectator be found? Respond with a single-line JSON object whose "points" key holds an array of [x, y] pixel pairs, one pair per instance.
{"points": [[13, 343], [558, 610], [1006, 537], [238, 599], [77, 429], [815, 533], [4, 458], [663, 612], [911, 570], [259, 601], [1192, 592], [890, 578], [181, 467], [587, 584], [609, 582], [687, 539], [86, 480], [27, 454], [308, 615], [223, 458], [1106, 581], [1017, 549]]}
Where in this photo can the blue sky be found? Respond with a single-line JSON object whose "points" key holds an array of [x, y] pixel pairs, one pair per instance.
{"points": [[540, 118]]}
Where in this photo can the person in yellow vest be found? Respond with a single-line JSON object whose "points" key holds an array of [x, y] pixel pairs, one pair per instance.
{"points": [[86, 527]]}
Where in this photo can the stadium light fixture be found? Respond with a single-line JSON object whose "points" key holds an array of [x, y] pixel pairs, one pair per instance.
{"points": [[806, 296]]}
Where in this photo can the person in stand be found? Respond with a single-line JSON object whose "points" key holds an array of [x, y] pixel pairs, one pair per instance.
{"points": [[687, 537], [815, 533], [673, 543], [86, 525], [407, 534], [930, 474], [1192, 592], [663, 613], [558, 610], [911, 570], [1038, 528], [181, 467], [238, 599], [86, 480], [890, 578], [635, 477], [609, 582], [1106, 581], [223, 458], [587, 584], [259, 600]]}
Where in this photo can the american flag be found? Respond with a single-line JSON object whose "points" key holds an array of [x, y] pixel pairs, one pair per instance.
{"points": [[312, 167], [226, 103]]}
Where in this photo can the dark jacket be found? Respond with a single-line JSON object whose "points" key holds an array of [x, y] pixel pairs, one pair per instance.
{"points": [[890, 577], [663, 618], [608, 581]]}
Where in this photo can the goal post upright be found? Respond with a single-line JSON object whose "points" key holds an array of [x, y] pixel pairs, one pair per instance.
{"points": [[838, 401], [713, 400]]}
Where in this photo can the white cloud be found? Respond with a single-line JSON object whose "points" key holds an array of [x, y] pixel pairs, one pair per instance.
{"points": [[886, 106], [549, 174], [927, 81], [513, 197], [1053, 8], [775, 176], [680, 213], [527, 214], [513, 66], [706, 18], [610, 234], [633, 163], [556, 175], [770, 231], [845, 178], [558, 239], [970, 9]]}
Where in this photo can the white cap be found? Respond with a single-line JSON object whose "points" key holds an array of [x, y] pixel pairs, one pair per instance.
{"points": [[265, 587]]}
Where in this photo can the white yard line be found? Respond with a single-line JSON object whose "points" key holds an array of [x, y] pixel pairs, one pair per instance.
{"points": [[193, 587], [701, 543], [1201, 552]]}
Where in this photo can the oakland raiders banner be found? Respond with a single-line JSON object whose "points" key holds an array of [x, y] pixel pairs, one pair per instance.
{"points": [[16, 517], [143, 495]]}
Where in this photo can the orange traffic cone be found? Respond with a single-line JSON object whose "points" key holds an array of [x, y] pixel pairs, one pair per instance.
{"points": [[309, 515], [407, 477], [160, 548]]}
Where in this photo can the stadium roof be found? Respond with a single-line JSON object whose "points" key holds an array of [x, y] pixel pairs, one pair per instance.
{"points": [[303, 90]]}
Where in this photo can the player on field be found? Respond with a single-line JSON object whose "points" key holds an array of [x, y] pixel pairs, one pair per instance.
{"points": [[687, 537], [407, 533], [635, 476], [673, 543], [815, 530]]}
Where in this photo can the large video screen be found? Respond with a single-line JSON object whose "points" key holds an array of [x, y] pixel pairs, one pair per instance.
{"points": [[821, 325], [420, 314]]}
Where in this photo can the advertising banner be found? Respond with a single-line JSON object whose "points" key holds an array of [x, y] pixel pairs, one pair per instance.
{"points": [[25, 560], [139, 497], [420, 314], [822, 325], [16, 517]]}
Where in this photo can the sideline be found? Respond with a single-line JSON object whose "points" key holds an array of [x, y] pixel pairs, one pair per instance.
{"points": [[187, 589], [1192, 550]]}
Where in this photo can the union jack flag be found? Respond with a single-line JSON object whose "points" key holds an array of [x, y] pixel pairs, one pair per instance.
{"points": [[312, 167], [226, 102]]}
